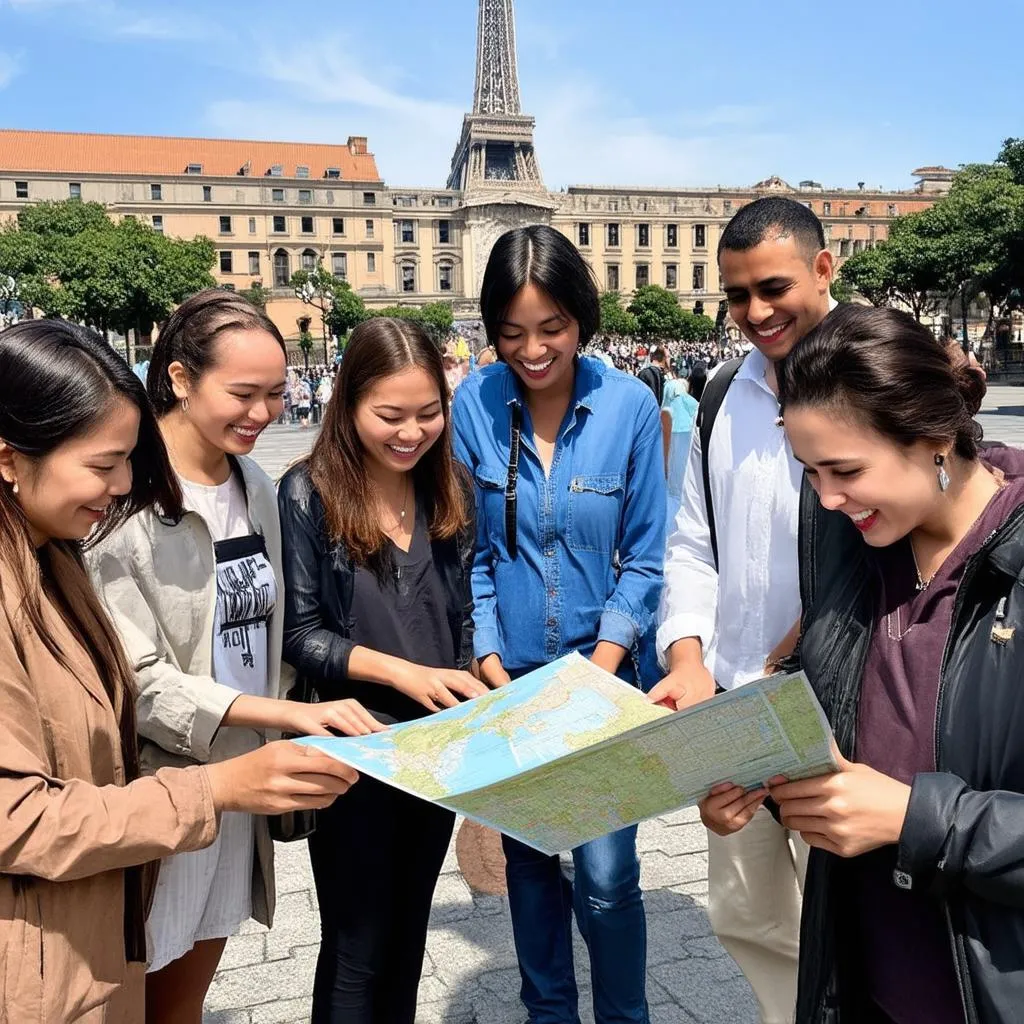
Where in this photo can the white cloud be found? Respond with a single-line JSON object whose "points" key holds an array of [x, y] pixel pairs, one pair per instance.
{"points": [[10, 67], [173, 27]]}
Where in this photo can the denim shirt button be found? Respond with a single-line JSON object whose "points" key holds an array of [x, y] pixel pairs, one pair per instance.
{"points": [[549, 552], [552, 622]]}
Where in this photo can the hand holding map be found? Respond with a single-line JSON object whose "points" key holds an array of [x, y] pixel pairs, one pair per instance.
{"points": [[569, 752]]}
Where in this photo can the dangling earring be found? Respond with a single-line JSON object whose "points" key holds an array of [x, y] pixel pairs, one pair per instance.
{"points": [[942, 475], [14, 487], [184, 404]]}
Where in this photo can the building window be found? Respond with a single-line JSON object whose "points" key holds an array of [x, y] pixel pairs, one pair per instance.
{"points": [[369, 229], [612, 276], [277, 195], [613, 236], [21, 190], [671, 277], [369, 199], [282, 269], [158, 223], [826, 209], [225, 261], [254, 262], [302, 171], [642, 206], [844, 247], [75, 190], [444, 200], [279, 224], [444, 232], [613, 205], [309, 259], [406, 231], [332, 172], [339, 264], [207, 193], [225, 225], [892, 210], [727, 206], [403, 200], [444, 276], [194, 169], [156, 191], [408, 277], [643, 236], [307, 225], [305, 196], [643, 275], [337, 225], [671, 236], [252, 225], [698, 277], [371, 263], [700, 236], [583, 234]]}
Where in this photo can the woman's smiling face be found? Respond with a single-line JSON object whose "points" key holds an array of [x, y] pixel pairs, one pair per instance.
{"points": [[538, 340]]}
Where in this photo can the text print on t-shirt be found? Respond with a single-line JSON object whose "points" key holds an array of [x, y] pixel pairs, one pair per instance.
{"points": [[246, 596]]}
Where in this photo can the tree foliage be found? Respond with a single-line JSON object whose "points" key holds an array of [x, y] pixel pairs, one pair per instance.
{"points": [[615, 319], [348, 311], [659, 316], [436, 318], [70, 259]]}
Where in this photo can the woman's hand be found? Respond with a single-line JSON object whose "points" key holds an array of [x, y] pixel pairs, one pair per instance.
{"points": [[492, 672], [728, 807], [277, 778], [436, 688], [848, 813], [348, 717]]}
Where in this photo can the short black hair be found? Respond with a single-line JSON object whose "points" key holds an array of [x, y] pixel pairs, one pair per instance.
{"points": [[545, 257], [773, 216]]}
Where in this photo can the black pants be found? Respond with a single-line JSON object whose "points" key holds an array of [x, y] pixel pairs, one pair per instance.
{"points": [[376, 856]]}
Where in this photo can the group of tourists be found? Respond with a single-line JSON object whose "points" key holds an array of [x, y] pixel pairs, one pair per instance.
{"points": [[836, 511]]}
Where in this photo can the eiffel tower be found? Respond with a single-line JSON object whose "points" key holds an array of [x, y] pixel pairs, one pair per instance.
{"points": [[495, 152]]}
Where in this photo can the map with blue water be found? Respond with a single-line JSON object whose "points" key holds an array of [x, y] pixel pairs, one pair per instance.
{"points": [[570, 752]]}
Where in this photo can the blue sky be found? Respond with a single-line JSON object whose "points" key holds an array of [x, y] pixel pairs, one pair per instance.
{"points": [[653, 92]]}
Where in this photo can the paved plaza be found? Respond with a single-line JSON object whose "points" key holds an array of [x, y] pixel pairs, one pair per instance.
{"points": [[470, 974]]}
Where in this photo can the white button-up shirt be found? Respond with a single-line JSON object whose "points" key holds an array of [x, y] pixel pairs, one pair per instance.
{"points": [[744, 609]]}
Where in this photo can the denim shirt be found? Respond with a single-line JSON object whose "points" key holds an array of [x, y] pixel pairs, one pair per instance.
{"points": [[604, 495]]}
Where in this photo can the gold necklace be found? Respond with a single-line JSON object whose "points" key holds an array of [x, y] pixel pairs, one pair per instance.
{"points": [[400, 522]]}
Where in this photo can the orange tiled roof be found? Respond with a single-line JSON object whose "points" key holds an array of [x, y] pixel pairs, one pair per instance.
{"points": [[81, 153]]}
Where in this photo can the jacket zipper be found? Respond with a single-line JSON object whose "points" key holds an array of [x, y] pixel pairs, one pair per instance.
{"points": [[963, 979]]}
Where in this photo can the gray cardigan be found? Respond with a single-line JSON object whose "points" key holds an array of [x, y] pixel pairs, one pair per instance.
{"points": [[157, 580]]}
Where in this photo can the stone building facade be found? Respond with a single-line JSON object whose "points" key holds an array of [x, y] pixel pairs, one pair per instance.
{"points": [[273, 207]]}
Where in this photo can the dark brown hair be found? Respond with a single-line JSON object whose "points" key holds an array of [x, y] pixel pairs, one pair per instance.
{"points": [[379, 348], [892, 373], [189, 337], [56, 381]]}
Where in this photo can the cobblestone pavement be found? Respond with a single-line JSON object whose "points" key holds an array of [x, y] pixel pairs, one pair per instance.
{"points": [[470, 974]]}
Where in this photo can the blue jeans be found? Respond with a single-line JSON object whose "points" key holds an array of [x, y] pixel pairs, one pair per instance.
{"points": [[610, 913]]}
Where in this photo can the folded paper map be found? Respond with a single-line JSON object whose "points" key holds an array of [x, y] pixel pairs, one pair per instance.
{"points": [[569, 752]]}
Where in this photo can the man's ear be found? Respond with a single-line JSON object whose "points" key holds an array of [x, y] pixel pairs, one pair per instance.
{"points": [[824, 268]]}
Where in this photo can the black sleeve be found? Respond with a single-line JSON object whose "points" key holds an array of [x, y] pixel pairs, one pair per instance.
{"points": [[467, 552], [955, 837], [313, 649]]}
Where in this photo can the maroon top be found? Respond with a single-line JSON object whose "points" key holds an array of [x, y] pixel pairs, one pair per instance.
{"points": [[904, 942]]}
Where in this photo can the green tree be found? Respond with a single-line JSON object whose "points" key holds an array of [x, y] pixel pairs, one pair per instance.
{"points": [[615, 319], [436, 318], [869, 274], [840, 289], [695, 326], [256, 294], [306, 345], [317, 288], [657, 311], [348, 311]]}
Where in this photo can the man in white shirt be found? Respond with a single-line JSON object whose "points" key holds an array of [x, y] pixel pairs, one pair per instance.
{"points": [[724, 621]]}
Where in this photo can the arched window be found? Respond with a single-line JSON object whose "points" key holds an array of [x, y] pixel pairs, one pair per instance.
{"points": [[309, 259], [445, 275], [282, 269], [408, 280]]}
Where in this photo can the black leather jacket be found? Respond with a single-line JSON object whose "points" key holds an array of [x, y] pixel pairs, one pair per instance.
{"points": [[320, 580], [963, 839]]}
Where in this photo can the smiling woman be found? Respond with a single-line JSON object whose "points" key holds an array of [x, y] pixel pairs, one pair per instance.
{"points": [[196, 601]]}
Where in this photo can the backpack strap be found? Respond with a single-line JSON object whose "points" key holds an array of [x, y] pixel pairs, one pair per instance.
{"points": [[707, 413]]}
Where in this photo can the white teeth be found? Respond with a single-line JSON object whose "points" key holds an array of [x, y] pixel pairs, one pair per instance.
{"points": [[859, 517], [770, 332], [538, 367], [403, 451]]}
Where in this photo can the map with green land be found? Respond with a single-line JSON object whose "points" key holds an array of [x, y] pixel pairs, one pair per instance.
{"points": [[569, 752]]}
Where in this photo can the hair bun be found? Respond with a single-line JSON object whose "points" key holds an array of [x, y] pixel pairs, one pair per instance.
{"points": [[968, 377]]}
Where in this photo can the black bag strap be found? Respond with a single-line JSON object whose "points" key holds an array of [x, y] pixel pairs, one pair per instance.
{"points": [[707, 413], [511, 539]]}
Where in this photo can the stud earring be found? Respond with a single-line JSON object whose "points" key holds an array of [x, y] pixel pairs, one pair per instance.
{"points": [[941, 473], [15, 487]]}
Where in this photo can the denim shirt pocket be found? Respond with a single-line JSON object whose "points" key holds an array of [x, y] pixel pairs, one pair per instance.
{"points": [[594, 513], [490, 490]]}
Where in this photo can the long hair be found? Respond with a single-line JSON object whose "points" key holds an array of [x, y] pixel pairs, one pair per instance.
{"points": [[890, 371], [189, 334], [57, 381], [379, 348]]}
